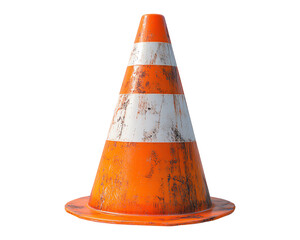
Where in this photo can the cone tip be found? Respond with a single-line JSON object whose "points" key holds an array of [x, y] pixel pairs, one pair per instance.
{"points": [[152, 28], [153, 15]]}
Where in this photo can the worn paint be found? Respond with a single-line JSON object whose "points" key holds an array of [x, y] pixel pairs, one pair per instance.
{"points": [[151, 118], [152, 53]]}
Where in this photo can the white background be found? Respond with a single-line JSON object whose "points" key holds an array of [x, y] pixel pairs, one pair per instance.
{"points": [[61, 68]]}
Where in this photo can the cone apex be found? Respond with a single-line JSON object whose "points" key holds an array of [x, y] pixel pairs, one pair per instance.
{"points": [[153, 14], [152, 28]]}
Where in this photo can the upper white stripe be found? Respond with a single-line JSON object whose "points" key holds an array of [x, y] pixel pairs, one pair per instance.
{"points": [[152, 53], [151, 118]]}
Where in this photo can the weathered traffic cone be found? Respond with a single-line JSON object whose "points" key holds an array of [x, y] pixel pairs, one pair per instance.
{"points": [[150, 172]]}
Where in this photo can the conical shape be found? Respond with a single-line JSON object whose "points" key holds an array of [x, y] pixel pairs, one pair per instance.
{"points": [[150, 170]]}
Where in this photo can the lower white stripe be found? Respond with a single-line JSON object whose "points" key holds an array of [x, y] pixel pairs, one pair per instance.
{"points": [[151, 118], [152, 53]]}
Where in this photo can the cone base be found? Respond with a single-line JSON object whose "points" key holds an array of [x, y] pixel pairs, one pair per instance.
{"points": [[79, 208]]}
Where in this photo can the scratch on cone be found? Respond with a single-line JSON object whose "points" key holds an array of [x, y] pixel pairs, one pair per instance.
{"points": [[150, 171]]}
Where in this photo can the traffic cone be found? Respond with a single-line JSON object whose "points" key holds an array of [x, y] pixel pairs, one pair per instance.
{"points": [[150, 171]]}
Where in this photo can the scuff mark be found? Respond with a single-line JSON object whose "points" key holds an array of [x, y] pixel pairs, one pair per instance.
{"points": [[148, 136], [176, 135], [154, 161]]}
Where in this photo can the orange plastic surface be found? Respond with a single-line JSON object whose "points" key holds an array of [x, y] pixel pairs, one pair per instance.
{"points": [[152, 28], [150, 178], [81, 209], [151, 79]]}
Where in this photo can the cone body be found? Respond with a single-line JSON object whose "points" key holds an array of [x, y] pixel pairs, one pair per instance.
{"points": [[150, 163], [150, 172]]}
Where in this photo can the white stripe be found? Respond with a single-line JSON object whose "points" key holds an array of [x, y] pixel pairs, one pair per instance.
{"points": [[151, 118], [152, 53]]}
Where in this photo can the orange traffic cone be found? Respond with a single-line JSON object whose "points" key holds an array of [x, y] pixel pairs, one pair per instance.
{"points": [[150, 172]]}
